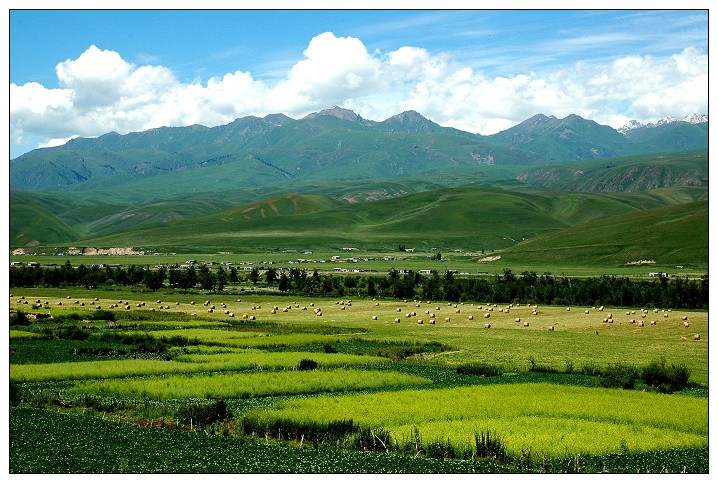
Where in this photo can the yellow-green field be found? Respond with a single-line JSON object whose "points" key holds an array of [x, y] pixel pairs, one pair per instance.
{"points": [[577, 337], [254, 346]]}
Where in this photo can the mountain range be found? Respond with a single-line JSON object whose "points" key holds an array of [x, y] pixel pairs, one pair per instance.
{"points": [[331, 145], [334, 179]]}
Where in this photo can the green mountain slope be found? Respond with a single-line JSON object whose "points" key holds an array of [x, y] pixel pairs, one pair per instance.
{"points": [[678, 136], [462, 218], [31, 223], [564, 139], [676, 234], [626, 174]]}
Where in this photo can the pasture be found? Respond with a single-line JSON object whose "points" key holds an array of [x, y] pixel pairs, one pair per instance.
{"points": [[391, 368]]}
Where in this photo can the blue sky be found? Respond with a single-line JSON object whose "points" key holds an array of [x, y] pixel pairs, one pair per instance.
{"points": [[87, 72]]}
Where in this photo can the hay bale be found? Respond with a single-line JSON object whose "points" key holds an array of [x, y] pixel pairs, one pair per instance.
{"points": [[686, 324], [374, 317], [397, 320], [420, 322], [487, 315], [471, 317], [487, 326], [551, 327], [526, 324], [696, 337], [447, 319], [653, 322]]}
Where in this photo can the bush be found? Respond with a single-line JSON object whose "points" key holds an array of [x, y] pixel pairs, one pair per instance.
{"points": [[618, 376], [665, 378], [330, 349], [204, 414], [19, 319], [479, 369], [307, 365]]}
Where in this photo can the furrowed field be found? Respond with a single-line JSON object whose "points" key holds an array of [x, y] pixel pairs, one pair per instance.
{"points": [[189, 382]]}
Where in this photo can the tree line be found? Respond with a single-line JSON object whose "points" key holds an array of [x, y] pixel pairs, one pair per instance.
{"points": [[526, 287]]}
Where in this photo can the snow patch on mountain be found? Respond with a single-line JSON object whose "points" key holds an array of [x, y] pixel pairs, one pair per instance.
{"points": [[691, 119]]}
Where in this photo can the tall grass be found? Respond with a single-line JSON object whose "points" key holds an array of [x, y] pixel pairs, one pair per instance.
{"points": [[184, 363], [551, 419], [244, 385]]}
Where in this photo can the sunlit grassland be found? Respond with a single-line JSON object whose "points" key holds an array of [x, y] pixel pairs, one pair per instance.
{"points": [[188, 363], [246, 384], [578, 338], [24, 334], [552, 419]]}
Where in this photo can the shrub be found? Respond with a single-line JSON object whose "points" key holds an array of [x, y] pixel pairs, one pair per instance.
{"points": [[204, 414], [330, 349], [19, 319], [479, 369], [665, 378], [618, 376], [307, 365]]}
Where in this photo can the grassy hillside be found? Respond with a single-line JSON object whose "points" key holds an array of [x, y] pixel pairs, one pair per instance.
{"points": [[631, 173], [676, 234], [32, 223], [471, 219]]}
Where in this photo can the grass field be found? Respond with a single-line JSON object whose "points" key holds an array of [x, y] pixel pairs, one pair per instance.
{"points": [[389, 366]]}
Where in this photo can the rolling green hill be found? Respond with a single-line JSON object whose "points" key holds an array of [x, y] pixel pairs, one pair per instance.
{"points": [[32, 223], [471, 219], [669, 235]]}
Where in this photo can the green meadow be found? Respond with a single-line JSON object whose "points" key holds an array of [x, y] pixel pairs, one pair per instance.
{"points": [[426, 379]]}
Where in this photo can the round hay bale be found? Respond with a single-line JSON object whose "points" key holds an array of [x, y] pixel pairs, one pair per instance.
{"points": [[420, 322], [471, 317], [447, 319], [487, 315], [526, 324], [374, 317], [551, 327], [397, 320], [696, 337], [487, 326]]}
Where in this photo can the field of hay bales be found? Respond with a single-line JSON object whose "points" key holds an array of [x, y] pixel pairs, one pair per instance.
{"points": [[551, 388]]}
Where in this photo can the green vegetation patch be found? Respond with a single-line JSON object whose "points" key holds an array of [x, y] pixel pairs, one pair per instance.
{"points": [[188, 363], [243, 385], [545, 418], [24, 334]]}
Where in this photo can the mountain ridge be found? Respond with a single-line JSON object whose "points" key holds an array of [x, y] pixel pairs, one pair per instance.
{"points": [[332, 144]]}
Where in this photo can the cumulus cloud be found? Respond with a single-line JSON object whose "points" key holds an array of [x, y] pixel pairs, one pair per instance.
{"points": [[101, 92]]}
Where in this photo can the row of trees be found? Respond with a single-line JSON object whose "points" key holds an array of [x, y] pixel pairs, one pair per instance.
{"points": [[527, 287]]}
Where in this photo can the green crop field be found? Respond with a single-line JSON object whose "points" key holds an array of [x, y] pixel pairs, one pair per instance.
{"points": [[427, 379]]}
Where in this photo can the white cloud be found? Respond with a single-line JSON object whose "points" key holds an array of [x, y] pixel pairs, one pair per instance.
{"points": [[56, 142], [101, 92]]}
